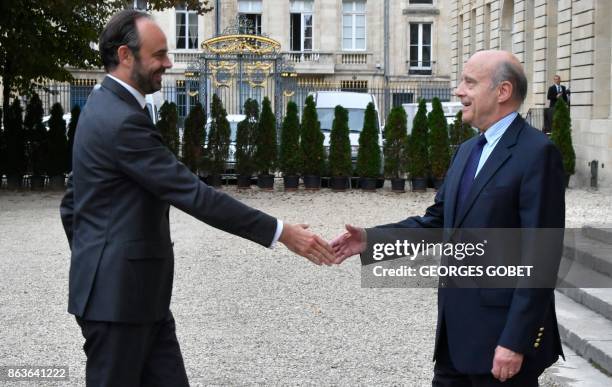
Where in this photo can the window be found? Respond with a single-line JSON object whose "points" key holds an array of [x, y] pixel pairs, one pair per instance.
{"points": [[186, 28], [80, 90], [251, 11], [140, 4], [187, 95], [420, 48], [354, 86], [354, 25], [421, 1], [301, 25]]}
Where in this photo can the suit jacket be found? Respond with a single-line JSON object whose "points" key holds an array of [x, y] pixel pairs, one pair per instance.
{"points": [[519, 186], [552, 94], [115, 212]]}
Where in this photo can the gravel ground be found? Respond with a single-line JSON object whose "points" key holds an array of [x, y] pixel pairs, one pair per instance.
{"points": [[245, 315]]}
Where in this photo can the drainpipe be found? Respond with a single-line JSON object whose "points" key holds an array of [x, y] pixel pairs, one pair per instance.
{"points": [[386, 58], [217, 17]]}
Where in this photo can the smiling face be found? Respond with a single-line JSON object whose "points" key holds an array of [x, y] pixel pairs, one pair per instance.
{"points": [[151, 61], [478, 96]]}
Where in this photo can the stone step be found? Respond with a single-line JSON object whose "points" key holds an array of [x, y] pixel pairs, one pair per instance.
{"points": [[601, 233], [598, 298], [575, 371], [586, 332], [591, 253]]}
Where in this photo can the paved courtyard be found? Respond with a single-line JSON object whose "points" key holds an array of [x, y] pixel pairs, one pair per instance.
{"points": [[245, 314]]}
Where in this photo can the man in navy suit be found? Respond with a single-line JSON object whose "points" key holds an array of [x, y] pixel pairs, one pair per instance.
{"points": [[115, 214], [510, 176]]}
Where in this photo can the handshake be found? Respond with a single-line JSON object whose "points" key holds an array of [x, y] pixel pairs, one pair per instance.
{"points": [[303, 242]]}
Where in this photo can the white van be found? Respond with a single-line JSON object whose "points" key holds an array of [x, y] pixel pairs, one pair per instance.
{"points": [[356, 104], [450, 111]]}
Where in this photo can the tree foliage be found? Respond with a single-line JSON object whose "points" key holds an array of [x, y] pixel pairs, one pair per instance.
{"points": [[193, 138], [291, 158], [168, 126], [418, 152], [561, 136], [58, 142], [439, 149], [394, 147], [266, 148], [340, 145], [218, 137], [246, 134], [39, 39], [368, 155], [74, 120], [312, 140]]}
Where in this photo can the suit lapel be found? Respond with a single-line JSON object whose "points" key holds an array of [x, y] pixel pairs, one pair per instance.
{"points": [[498, 157]]}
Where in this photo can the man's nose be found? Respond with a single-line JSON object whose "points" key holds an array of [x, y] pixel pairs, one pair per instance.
{"points": [[167, 63]]}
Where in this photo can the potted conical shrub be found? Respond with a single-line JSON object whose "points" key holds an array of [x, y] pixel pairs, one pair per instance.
{"points": [[266, 148], [393, 148], [311, 145], [439, 149], [37, 145], [2, 148], [245, 144], [193, 138], [58, 148], [290, 159], [368, 156], [561, 136], [340, 166], [15, 145], [168, 126], [74, 120], [218, 141], [417, 167]]}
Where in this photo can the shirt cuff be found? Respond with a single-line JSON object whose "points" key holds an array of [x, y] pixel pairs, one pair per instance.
{"points": [[277, 234]]}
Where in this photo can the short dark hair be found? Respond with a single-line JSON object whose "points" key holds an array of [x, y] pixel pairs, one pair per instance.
{"points": [[514, 74], [120, 30]]}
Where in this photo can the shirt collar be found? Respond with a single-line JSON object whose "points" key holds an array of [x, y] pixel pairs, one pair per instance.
{"points": [[139, 97], [494, 133]]}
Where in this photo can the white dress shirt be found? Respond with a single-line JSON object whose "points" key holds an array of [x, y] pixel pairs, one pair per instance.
{"points": [[493, 134]]}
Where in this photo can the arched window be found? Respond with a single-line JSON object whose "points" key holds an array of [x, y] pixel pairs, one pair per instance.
{"points": [[507, 25]]}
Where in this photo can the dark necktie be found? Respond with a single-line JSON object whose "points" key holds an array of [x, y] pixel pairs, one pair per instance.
{"points": [[469, 173], [146, 111]]}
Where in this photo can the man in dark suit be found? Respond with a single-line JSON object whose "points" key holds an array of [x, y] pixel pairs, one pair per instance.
{"points": [[510, 176], [115, 214], [556, 91]]}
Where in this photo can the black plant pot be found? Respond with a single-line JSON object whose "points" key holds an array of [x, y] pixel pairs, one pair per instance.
{"points": [[291, 182], [37, 182], [419, 184], [398, 185], [215, 180], [243, 181], [437, 183], [57, 183], [567, 180], [368, 183], [339, 183], [13, 182], [312, 183], [265, 182]]}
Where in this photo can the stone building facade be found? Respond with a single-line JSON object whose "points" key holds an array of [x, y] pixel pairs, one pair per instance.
{"points": [[564, 37]]}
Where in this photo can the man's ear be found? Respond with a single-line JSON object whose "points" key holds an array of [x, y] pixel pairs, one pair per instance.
{"points": [[505, 92], [125, 55]]}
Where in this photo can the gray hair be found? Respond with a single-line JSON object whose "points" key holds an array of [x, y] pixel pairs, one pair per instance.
{"points": [[514, 74]]}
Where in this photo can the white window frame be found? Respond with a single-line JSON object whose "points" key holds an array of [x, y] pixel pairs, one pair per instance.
{"points": [[420, 46], [251, 7], [297, 6], [353, 14], [187, 13]]}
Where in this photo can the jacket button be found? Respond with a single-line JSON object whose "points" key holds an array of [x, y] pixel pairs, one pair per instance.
{"points": [[541, 329], [540, 334], [536, 345]]}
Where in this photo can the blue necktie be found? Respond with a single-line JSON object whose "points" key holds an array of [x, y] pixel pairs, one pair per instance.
{"points": [[469, 173]]}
